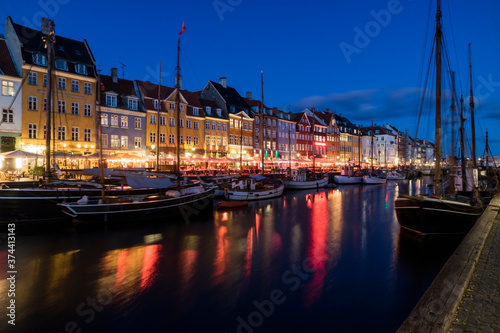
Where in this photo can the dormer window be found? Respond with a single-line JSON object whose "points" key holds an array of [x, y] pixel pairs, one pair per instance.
{"points": [[81, 69], [219, 112], [39, 59], [132, 104], [62, 64], [155, 104], [195, 112], [208, 110], [111, 100], [232, 109]]}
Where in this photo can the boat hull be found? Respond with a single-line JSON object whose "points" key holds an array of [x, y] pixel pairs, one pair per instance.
{"points": [[373, 180], [185, 206], [250, 195], [342, 180], [428, 215], [298, 185]]}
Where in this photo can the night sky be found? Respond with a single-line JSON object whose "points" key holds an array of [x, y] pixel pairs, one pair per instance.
{"points": [[361, 58]]}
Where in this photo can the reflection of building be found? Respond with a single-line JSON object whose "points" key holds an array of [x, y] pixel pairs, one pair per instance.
{"points": [[73, 86], [11, 119]]}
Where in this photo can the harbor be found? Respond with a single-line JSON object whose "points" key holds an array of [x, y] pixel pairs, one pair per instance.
{"points": [[325, 258]]}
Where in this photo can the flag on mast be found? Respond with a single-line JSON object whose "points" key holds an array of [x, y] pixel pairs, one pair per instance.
{"points": [[183, 28]]}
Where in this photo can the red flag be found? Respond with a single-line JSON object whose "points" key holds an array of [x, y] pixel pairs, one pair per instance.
{"points": [[183, 28]]}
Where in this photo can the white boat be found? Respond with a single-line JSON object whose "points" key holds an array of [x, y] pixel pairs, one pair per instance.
{"points": [[373, 180], [254, 188], [394, 175], [299, 181]]}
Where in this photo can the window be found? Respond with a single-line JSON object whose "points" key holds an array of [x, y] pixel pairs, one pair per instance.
{"points": [[230, 139], [257, 120], [137, 123], [74, 133], [195, 125], [114, 120], [124, 141], [207, 140], [62, 64], [231, 123], [181, 123], [75, 109], [171, 106], [61, 106], [32, 103], [111, 100], [246, 141], [87, 110], [182, 107], [274, 122], [219, 112], [137, 142], [8, 116], [214, 125], [163, 120], [181, 140], [188, 123], [32, 131], [75, 86], [155, 104], [40, 59], [171, 121], [104, 140], [124, 121], [87, 134], [152, 137], [249, 126], [236, 140], [152, 119], [61, 83], [224, 141], [32, 78], [249, 141], [188, 140], [213, 140], [224, 127], [87, 88], [195, 112], [268, 122], [245, 125], [219, 141], [219, 126], [207, 124], [132, 104], [163, 138], [208, 109], [44, 80], [104, 119], [115, 141], [171, 139], [61, 133], [81, 69], [195, 140]]}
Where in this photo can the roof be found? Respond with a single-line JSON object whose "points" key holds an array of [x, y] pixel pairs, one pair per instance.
{"points": [[213, 105], [231, 96], [7, 66], [122, 87], [150, 92], [65, 48]]}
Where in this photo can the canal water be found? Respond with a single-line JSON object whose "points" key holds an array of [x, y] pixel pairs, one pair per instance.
{"points": [[328, 260]]}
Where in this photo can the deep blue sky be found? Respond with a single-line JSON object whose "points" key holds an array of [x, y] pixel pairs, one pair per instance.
{"points": [[298, 46]]}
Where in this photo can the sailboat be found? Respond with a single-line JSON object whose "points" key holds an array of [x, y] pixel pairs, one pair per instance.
{"points": [[434, 214], [170, 201], [255, 187]]}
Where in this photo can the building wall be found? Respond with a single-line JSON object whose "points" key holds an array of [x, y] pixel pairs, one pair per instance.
{"points": [[10, 132]]}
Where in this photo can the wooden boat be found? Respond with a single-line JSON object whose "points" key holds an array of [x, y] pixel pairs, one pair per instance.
{"points": [[254, 188], [232, 204], [426, 215], [343, 180], [394, 175], [300, 181], [373, 180], [170, 203]]}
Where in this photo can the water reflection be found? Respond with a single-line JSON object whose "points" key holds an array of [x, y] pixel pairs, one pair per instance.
{"points": [[206, 275]]}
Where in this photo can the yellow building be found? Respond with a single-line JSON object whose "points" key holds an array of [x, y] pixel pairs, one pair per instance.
{"points": [[73, 91]]}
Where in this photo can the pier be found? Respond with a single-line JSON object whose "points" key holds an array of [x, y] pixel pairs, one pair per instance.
{"points": [[464, 296]]}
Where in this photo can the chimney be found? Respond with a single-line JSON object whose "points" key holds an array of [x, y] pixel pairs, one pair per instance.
{"points": [[114, 74], [180, 81], [249, 95], [328, 110], [223, 81], [341, 115]]}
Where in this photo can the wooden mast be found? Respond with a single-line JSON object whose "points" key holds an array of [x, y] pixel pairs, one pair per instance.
{"points": [[158, 125], [99, 133], [290, 149], [50, 39], [241, 143], [178, 108], [472, 124], [262, 120], [438, 153], [372, 147], [462, 143]]}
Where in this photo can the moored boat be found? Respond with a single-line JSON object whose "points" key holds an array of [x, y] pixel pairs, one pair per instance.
{"points": [[300, 181], [254, 188], [373, 180]]}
